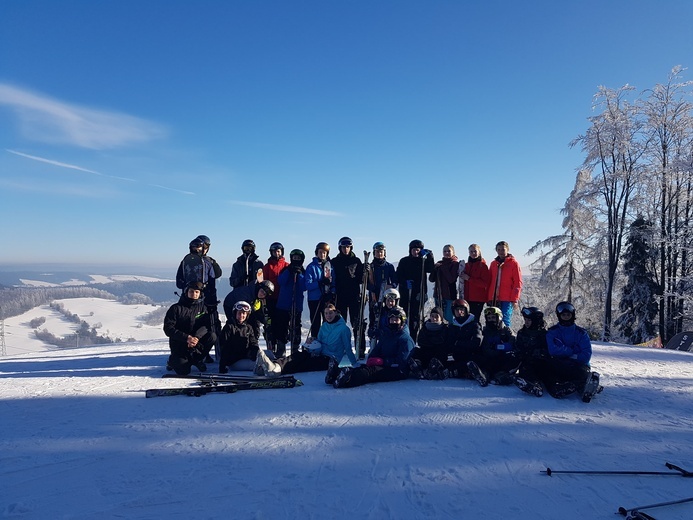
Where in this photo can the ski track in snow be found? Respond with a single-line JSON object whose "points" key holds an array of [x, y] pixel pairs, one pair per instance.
{"points": [[80, 441]]}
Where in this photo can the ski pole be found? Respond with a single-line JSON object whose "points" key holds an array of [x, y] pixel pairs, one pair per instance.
{"points": [[626, 512], [679, 472]]}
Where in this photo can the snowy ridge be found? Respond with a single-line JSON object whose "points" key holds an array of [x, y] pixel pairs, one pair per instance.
{"points": [[80, 441]]}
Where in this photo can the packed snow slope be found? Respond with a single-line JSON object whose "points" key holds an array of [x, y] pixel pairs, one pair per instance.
{"points": [[80, 441]]}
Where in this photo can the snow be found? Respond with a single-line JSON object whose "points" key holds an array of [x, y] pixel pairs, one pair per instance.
{"points": [[80, 441]]}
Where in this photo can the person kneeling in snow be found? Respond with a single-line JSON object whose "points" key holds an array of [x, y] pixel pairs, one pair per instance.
{"points": [[324, 353], [189, 329], [389, 359]]}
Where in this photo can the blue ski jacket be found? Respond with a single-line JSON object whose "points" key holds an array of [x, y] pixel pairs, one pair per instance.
{"points": [[314, 280], [571, 342], [289, 292], [393, 348], [335, 340]]}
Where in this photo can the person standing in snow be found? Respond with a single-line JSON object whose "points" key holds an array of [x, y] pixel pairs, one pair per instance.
{"points": [[238, 340], [270, 272], [381, 277], [286, 325], [476, 281], [246, 267], [411, 273], [188, 326], [505, 284], [348, 275], [570, 348], [445, 274], [324, 353], [320, 285]]}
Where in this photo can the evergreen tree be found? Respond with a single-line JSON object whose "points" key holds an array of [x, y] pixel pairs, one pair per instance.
{"points": [[638, 323]]}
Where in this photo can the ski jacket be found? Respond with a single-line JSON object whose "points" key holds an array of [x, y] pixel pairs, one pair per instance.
{"points": [[431, 337], [497, 341], [335, 340], [316, 283], [244, 270], [186, 318], [531, 343], [347, 275], [382, 274], [464, 339], [444, 276], [505, 283], [293, 287], [238, 341], [410, 282], [393, 348], [476, 288], [569, 341], [258, 308], [270, 271]]}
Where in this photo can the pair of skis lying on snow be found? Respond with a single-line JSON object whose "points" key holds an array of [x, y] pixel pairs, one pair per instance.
{"points": [[635, 513], [223, 383]]}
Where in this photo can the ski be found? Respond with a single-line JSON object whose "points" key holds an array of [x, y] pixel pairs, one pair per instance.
{"points": [[207, 386], [231, 377], [359, 335], [676, 471]]}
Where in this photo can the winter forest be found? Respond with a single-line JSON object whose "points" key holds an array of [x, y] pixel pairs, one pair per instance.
{"points": [[623, 256]]}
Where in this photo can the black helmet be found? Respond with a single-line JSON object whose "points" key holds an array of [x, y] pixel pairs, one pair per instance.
{"points": [[248, 243], [532, 313], [204, 239], [297, 252], [416, 244], [399, 313], [565, 307], [194, 244], [322, 245], [346, 242], [378, 245], [198, 286], [275, 246], [267, 286]]}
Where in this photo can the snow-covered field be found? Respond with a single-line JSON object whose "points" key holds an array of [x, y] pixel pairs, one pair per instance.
{"points": [[80, 441]]}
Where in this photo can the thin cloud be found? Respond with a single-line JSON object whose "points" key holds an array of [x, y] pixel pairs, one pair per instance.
{"points": [[173, 189], [287, 209], [48, 120]]}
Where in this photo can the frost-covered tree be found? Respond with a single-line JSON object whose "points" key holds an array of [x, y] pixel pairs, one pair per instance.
{"points": [[669, 128], [613, 151], [639, 297]]}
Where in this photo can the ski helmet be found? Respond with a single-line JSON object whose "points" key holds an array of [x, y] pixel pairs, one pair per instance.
{"points": [[346, 242], [398, 312], [248, 243], [267, 286], [275, 246], [460, 303], [379, 245], [197, 286], [322, 245], [297, 252], [204, 239], [532, 313], [194, 244], [416, 244], [565, 307], [392, 294], [493, 311]]}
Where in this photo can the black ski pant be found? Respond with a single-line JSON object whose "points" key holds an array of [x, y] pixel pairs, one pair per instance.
{"points": [[562, 371], [286, 329], [364, 375], [316, 308], [302, 362], [183, 358], [351, 305]]}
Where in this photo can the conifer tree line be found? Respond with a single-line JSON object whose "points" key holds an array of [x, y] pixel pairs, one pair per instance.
{"points": [[624, 256]]}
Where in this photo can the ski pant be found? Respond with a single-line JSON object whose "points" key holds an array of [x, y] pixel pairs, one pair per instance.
{"points": [[316, 308], [283, 326], [352, 306], [425, 355], [183, 358], [507, 310], [302, 362], [498, 367], [216, 326], [364, 375], [477, 309], [230, 354], [562, 371]]}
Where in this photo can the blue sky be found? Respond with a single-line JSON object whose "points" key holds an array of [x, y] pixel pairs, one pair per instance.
{"points": [[127, 128]]}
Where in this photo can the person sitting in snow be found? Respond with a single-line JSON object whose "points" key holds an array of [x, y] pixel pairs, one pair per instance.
{"points": [[323, 353], [497, 361], [431, 351], [533, 352], [388, 361], [238, 340], [570, 348], [189, 329], [256, 295], [464, 339]]}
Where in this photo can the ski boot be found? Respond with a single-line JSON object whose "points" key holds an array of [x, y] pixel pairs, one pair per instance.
{"points": [[414, 368], [533, 387], [332, 371], [477, 374], [342, 378], [591, 388], [436, 370]]}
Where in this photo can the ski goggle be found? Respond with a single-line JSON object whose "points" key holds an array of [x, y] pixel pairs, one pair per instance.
{"points": [[565, 307], [241, 306], [491, 311], [528, 311]]}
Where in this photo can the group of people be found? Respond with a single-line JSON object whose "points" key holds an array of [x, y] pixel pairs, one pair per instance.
{"points": [[267, 300]]}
